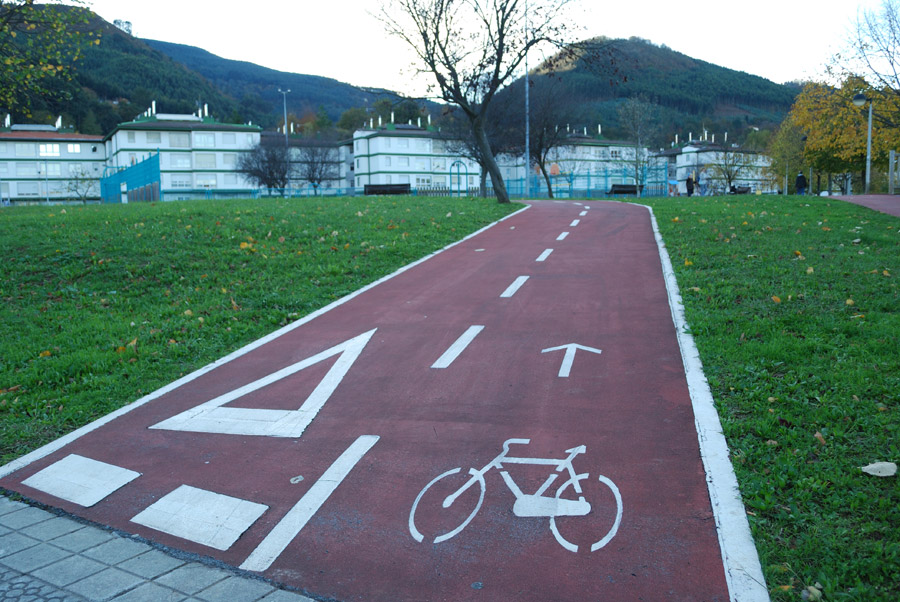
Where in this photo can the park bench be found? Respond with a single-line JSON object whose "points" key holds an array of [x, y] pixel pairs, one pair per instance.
{"points": [[625, 189], [740, 190], [386, 189]]}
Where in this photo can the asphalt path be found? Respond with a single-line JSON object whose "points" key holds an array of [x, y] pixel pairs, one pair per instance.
{"points": [[509, 419], [877, 202]]}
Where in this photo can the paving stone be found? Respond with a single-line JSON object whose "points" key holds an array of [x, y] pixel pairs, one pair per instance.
{"points": [[280, 595], [53, 528], [192, 578], [78, 541], [7, 506], [151, 564], [117, 550], [235, 588], [151, 592], [69, 570], [105, 585], [15, 542], [25, 517], [34, 557]]}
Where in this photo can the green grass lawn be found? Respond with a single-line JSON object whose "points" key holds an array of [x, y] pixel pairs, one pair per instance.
{"points": [[793, 303]]}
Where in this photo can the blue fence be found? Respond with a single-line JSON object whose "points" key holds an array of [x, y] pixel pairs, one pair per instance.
{"points": [[138, 182]]}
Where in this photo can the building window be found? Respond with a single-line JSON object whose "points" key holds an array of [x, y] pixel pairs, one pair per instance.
{"points": [[205, 140], [154, 137], [403, 161], [26, 169], [615, 154], [180, 160], [181, 181], [420, 181], [24, 149], [229, 138], [2, 147], [179, 139], [403, 143], [54, 170], [206, 181], [131, 137], [4, 168], [387, 161], [205, 161], [229, 159], [28, 188], [230, 179], [73, 149]]}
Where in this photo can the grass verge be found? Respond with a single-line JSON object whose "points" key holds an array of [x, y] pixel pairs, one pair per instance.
{"points": [[104, 304], [793, 303]]}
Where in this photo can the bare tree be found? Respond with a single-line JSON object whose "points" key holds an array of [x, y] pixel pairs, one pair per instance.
{"points": [[267, 165], [638, 117], [729, 165], [459, 139], [316, 162], [473, 48], [82, 185]]}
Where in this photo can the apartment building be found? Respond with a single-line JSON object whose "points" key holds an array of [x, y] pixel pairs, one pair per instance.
{"points": [[711, 165], [410, 154], [42, 163], [197, 154]]}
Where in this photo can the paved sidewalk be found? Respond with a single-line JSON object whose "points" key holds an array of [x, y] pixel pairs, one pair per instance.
{"points": [[45, 557]]}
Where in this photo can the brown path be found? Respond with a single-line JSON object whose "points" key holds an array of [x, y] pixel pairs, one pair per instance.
{"points": [[508, 420], [879, 202]]}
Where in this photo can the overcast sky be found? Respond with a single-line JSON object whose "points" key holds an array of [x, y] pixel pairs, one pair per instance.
{"points": [[781, 40]]}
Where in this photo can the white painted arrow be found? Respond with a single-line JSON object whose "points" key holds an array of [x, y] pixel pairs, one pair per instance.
{"points": [[569, 357]]}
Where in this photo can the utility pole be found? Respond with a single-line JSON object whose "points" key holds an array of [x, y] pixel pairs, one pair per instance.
{"points": [[284, 94]]}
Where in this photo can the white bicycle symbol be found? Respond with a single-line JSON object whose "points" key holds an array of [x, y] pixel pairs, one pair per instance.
{"points": [[527, 505]]}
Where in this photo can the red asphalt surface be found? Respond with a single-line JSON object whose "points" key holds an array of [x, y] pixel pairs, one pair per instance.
{"points": [[878, 202], [602, 287]]}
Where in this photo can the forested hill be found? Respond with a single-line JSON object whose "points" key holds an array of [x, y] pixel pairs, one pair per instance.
{"points": [[693, 95], [256, 86]]}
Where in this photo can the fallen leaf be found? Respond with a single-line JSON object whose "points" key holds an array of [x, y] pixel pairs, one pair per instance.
{"points": [[810, 270], [776, 298], [880, 469], [820, 437], [688, 262], [45, 353], [850, 302]]}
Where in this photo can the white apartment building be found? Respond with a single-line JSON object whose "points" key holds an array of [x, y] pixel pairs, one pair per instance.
{"points": [[40, 163], [196, 153], [409, 154], [707, 163]]}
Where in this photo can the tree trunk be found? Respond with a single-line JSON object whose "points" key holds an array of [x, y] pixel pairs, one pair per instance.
{"points": [[547, 180], [489, 162], [483, 181]]}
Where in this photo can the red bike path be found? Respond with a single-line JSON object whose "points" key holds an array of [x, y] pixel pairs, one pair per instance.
{"points": [[307, 456]]}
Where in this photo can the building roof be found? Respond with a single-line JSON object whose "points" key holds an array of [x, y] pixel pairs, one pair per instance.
{"points": [[164, 122], [46, 135]]}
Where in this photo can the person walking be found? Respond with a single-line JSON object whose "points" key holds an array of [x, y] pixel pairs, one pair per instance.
{"points": [[690, 185], [801, 184]]}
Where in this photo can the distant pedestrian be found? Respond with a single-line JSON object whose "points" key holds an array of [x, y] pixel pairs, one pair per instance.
{"points": [[801, 184], [690, 185]]}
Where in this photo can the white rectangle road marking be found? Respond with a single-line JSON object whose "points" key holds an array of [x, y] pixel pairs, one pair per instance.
{"points": [[562, 236], [205, 517], [574, 223], [543, 256], [293, 522], [583, 213], [515, 286], [81, 480], [457, 347]]}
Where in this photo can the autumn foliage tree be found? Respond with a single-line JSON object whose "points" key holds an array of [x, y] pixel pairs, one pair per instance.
{"points": [[39, 44]]}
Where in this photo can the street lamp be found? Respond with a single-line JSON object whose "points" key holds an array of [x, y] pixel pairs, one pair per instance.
{"points": [[284, 94], [859, 101]]}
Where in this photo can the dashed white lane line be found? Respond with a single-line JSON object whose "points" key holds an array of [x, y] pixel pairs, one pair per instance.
{"points": [[515, 286], [543, 256], [562, 236], [574, 223], [81, 480], [582, 214], [457, 347]]}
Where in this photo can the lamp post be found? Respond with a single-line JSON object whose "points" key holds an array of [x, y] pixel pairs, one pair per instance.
{"points": [[284, 94], [859, 101]]}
